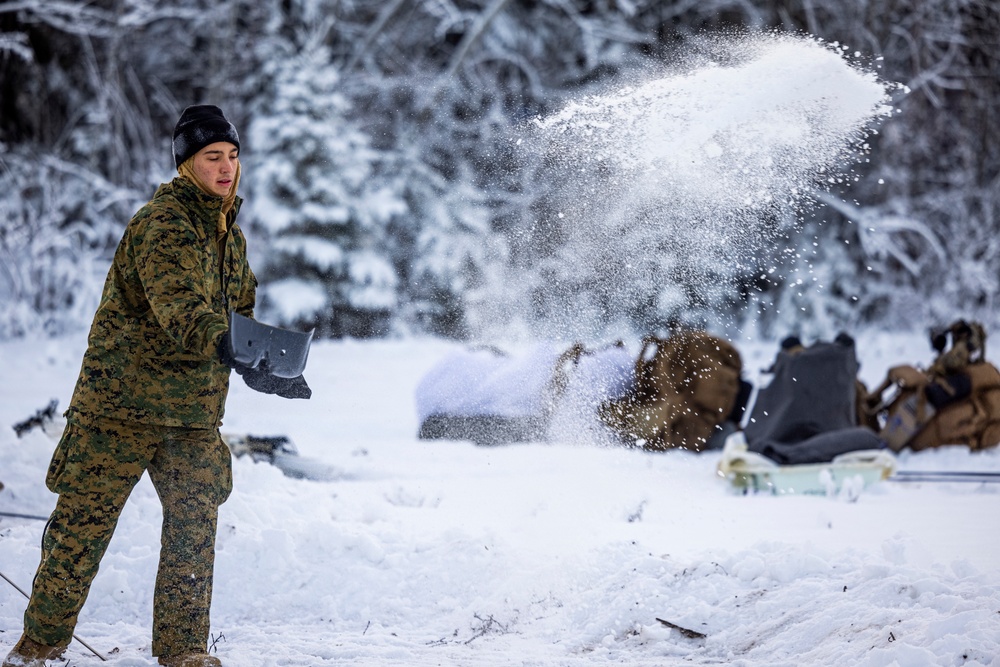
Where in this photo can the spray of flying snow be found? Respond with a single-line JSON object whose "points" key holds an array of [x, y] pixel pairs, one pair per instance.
{"points": [[672, 187], [738, 136]]}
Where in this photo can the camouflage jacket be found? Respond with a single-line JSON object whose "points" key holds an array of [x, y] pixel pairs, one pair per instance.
{"points": [[151, 354]]}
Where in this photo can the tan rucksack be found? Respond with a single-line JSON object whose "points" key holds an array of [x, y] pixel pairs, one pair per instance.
{"points": [[685, 386], [956, 401]]}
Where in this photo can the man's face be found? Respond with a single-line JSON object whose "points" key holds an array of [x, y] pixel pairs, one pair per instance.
{"points": [[215, 165]]}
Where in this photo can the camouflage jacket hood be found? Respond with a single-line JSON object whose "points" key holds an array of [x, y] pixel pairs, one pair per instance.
{"points": [[151, 354]]}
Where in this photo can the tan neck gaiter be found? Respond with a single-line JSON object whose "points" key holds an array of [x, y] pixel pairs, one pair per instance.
{"points": [[187, 171]]}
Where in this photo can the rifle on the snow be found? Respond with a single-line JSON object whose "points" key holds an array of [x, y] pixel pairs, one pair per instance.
{"points": [[279, 451]]}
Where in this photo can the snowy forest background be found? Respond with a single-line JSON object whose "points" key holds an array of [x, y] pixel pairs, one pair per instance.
{"points": [[390, 189]]}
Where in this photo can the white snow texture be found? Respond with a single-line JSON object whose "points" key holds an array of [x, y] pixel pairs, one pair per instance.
{"points": [[545, 554]]}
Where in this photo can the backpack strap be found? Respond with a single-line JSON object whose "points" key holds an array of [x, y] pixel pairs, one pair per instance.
{"points": [[560, 372]]}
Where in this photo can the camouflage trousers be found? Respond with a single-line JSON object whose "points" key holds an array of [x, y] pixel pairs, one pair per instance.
{"points": [[94, 468]]}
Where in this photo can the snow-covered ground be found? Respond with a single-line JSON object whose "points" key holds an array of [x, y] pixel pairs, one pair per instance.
{"points": [[561, 553]]}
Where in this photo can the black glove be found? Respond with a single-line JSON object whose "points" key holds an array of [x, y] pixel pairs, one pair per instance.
{"points": [[259, 379], [225, 350]]}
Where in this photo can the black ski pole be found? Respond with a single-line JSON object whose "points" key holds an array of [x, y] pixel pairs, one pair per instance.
{"points": [[18, 589], [25, 516], [983, 477]]}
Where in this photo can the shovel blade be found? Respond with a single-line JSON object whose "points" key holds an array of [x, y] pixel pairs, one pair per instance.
{"points": [[284, 352]]}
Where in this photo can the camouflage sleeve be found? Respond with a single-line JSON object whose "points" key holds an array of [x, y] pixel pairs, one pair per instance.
{"points": [[168, 258], [249, 295]]}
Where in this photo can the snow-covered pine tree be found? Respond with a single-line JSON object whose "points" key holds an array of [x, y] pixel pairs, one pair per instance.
{"points": [[313, 194], [444, 247]]}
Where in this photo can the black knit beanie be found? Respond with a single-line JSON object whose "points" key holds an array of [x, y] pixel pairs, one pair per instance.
{"points": [[199, 126]]}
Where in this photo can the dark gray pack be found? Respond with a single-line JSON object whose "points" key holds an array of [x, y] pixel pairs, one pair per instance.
{"points": [[808, 413]]}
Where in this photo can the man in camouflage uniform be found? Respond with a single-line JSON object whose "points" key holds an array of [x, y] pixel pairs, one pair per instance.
{"points": [[150, 397]]}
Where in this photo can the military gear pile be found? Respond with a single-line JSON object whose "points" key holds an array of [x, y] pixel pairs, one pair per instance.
{"points": [[679, 393], [956, 401], [686, 391], [685, 387]]}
